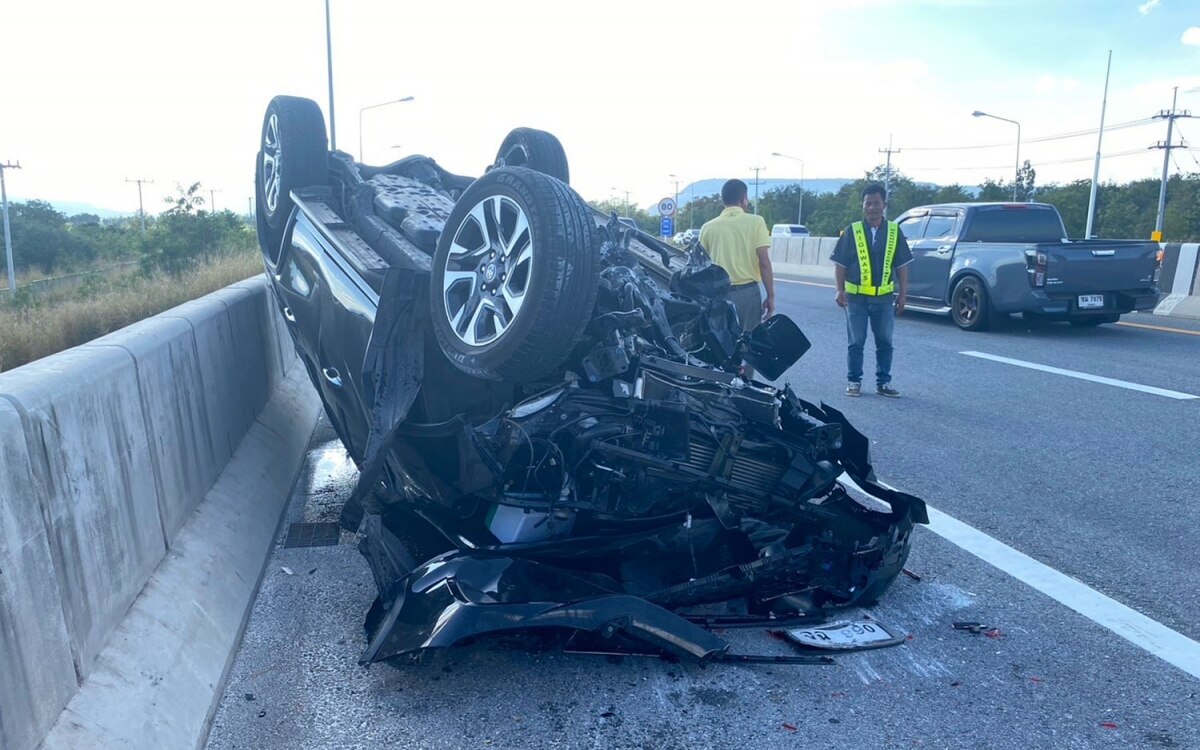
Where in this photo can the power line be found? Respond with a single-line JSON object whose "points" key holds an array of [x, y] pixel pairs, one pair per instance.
{"points": [[1170, 116], [1184, 145], [1040, 139], [1032, 164]]}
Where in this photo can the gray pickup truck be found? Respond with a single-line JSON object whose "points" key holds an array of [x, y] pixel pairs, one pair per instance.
{"points": [[979, 260]]}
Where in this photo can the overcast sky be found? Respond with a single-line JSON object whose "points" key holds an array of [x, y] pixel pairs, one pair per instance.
{"points": [[98, 92]]}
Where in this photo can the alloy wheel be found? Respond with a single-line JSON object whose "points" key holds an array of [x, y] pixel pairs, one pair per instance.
{"points": [[967, 304], [271, 159], [488, 271]]}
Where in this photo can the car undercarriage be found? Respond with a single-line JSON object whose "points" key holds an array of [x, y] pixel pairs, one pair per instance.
{"points": [[552, 413]]}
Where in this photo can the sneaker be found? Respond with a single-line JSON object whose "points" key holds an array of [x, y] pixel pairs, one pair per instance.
{"points": [[887, 390], [853, 389]]}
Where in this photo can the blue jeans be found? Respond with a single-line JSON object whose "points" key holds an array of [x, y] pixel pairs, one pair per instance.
{"points": [[882, 315]]}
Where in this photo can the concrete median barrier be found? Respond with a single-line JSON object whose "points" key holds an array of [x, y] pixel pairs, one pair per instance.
{"points": [[37, 674], [149, 440], [1180, 281]]}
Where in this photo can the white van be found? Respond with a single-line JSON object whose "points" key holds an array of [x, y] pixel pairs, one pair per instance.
{"points": [[789, 230]]}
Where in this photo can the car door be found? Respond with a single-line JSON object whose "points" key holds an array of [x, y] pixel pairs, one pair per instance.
{"points": [[331, 320], [932, 254], [297, 284], [912, 225]]}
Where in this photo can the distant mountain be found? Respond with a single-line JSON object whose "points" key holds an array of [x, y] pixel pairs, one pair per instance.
{"points": [[71, 208], [706, 188]]}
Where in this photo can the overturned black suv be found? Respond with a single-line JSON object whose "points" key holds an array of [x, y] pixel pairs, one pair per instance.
{"points": [[548, 410]]}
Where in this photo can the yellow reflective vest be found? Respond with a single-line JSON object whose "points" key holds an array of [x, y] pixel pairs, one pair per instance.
{"points": [[864, 261]]}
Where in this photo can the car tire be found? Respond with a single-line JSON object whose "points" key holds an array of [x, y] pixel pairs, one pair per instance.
{"points": [[969, 306], [292, 154], [535, 149], [515, 276]]}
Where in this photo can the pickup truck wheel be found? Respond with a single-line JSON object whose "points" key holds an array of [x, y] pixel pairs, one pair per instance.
{"points": [[292, 154], [515, 275], [536, 149], [969, 305]]}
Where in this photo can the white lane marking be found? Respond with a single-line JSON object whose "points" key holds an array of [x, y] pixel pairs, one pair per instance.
{"points": [[1169, 645], [1084, 376], [1152, 636], [806, 283]]}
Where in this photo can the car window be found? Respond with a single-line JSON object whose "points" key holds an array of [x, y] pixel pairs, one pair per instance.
{"points": [[912, 227], [940, 226], [1014, 223]]}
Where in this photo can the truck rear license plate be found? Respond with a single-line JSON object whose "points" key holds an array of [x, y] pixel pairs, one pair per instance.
{"points": [[845, 636], [1091, 300]]}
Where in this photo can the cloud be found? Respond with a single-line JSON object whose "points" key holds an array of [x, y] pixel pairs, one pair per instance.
{"points": [[1148, 6], [1192, 36]]}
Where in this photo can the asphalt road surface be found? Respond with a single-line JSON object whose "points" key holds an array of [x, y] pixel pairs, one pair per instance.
{"points": [[1062, 465]]}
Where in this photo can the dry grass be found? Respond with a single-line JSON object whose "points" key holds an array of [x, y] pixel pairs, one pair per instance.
{"points": [[31, 329]]}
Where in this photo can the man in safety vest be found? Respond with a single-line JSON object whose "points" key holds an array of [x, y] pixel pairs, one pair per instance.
{"points": [[871, 260]]}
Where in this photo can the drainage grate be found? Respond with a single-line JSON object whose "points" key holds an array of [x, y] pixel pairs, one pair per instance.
{"points": [[312, 535]]}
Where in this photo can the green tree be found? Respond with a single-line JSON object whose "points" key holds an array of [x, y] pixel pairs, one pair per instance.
{"points": [[42, 239], [1071, 200], [184, 235]]}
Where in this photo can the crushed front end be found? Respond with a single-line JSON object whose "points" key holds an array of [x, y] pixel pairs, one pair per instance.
{"points": [[647, 490]]}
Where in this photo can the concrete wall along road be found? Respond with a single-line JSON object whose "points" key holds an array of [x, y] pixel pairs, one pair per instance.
{"points": [[806, 256], [106, 450]]}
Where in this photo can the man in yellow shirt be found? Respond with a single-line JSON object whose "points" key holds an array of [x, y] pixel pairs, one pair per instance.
{"points": [[740, 243]]}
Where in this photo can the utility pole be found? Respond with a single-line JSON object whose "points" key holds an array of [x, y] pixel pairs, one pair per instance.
{"points": [[1157, 235], [887, 172], [1087, 233], [754, 208], [141, 211], [212, 200], [12, 278]]}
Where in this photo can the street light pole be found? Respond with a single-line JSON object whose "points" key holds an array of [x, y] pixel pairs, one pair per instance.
{"points": [[361, 155], [12, 279], [800, 208], [1087, 233], [1017, 168], [329, 66]]}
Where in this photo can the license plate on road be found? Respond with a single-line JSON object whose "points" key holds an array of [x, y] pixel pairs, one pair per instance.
{"points": [[1091, 300], [845, 636]]}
